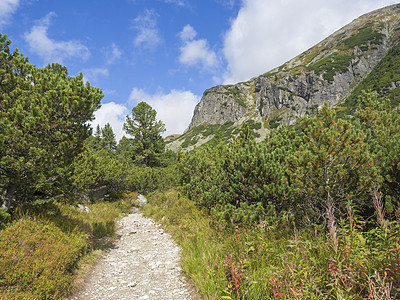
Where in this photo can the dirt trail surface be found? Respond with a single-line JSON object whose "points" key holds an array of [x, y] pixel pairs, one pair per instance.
{"points": [[143, 264]]}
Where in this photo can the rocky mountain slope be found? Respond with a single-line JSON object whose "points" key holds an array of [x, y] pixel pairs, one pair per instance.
{"points": [[362, 55]]}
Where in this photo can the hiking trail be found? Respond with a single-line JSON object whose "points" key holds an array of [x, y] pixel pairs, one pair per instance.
{"points": [[142, 264]]}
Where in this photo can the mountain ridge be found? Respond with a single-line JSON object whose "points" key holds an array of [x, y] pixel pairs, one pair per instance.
{"points": [[328, 72]]}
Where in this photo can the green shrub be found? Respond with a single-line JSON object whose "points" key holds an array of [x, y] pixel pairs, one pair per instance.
{"points": [[119, 174], [37, 259], [146, 179], [275, 122]]}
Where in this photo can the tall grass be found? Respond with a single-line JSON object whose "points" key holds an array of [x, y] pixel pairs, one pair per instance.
{"points": [[191, 228], [277, 260]]}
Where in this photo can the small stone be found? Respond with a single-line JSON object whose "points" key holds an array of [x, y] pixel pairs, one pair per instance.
{"points": [[84, 208], [132, 284], [142, 200]]}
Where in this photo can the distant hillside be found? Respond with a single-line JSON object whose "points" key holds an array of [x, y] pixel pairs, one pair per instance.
{"points": [[364, 54]]}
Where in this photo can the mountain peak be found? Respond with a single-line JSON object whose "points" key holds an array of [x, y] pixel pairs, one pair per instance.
{"points": [[330, 72]]}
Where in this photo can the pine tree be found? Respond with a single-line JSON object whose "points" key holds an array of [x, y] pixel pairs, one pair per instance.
{"points": [[381, 123], [44, 116], [143, 126], [97, 138], [108, 140], [125, 149], [331, 162]]}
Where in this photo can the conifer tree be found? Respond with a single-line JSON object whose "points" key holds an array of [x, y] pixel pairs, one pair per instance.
{"points": [[97, 137], [125, 148], [108, 140], [43, 123], [143, 126], [381, 122], [331, 162]]}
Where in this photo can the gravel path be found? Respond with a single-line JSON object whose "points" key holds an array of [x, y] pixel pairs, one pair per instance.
{"points": [[144, 264]]}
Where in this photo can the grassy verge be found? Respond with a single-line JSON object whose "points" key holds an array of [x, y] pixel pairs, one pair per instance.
{"points": [[191, 228], [276, 260], [42, 254]]}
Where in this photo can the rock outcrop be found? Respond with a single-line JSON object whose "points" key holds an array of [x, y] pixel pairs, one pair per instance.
{"points": [[328, 72]]}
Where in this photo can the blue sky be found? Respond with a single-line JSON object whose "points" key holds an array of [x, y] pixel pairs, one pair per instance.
{"points": [[167, 52]]}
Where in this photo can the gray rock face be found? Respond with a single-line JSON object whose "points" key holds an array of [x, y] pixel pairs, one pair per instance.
{"points": [[308, 92], [303, 85], [217, 106]]}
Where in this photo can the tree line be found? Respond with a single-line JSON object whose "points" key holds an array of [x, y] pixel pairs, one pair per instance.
{"points": [[47, 150]]}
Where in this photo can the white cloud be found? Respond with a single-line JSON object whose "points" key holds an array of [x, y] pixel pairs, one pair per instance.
{"points": [[51, 50], [93, 74], [195, 52], [265, 34], [174, 109], [188, 33], [7, 9], [146, 25], [113, 53], [112, 113]]}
